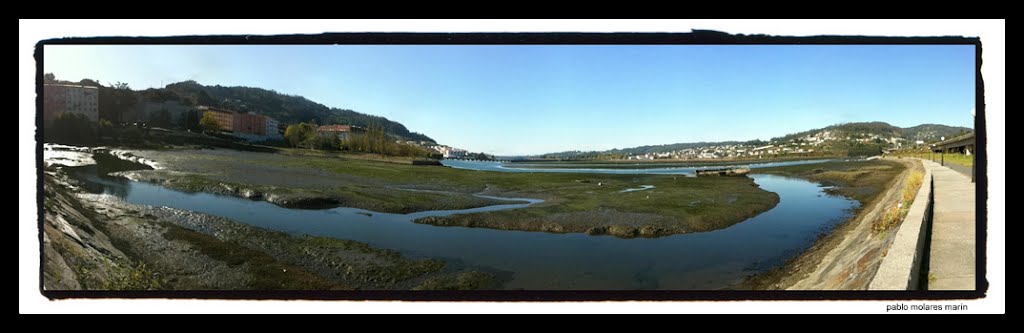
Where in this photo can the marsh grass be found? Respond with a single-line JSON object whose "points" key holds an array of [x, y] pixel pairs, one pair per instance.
{"points": [[895, 214]]}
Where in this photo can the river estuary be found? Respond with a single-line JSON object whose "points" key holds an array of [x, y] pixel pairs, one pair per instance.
{"points": [[538, 260]]}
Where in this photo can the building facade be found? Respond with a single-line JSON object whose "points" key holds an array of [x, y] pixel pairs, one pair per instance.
{"points": [[274, 129], [250, 124], [61, 98], [224, 119]]}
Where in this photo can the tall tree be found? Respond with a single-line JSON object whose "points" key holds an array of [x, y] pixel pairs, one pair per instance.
{"points": [[209, 123], [300, 135]]}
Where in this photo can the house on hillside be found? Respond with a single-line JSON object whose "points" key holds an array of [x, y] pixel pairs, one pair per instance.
{"points": [[224, 119], [61, 98], [249, 126], [342, 132], [274, 131]]}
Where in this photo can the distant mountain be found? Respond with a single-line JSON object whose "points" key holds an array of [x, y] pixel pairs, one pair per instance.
{"points": [[844, 137], [284, 108]]}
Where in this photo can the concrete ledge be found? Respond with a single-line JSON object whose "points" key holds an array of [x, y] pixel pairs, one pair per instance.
{"points": [[901, 267]]}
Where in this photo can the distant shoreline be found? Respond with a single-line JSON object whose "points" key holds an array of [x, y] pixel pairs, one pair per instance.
{"points": [[663, 162]]}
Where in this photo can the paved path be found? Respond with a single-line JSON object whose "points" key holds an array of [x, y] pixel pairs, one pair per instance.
{"points": [[962, 169], [953, 247]]}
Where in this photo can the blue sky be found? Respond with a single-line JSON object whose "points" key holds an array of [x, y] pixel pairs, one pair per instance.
{"points": [[545, 98]]}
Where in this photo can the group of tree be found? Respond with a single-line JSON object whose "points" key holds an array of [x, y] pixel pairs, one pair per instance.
{"points": [[73, 129], [374, 141], [480, 156]]}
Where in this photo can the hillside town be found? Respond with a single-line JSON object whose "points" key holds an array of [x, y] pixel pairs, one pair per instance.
{"points": [[250, 127], [815, 143]]}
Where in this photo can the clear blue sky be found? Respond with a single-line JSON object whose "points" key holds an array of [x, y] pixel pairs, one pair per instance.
{"points": [[534, 99]]}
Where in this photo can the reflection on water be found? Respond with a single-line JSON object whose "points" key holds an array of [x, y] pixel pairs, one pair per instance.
{"points": [[538, 260]]}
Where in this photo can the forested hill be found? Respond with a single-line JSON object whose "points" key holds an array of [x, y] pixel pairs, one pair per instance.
{"points": [[284, 108]]}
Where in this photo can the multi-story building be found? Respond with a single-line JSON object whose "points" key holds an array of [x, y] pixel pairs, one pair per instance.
{"points": [[224, 119], [61, 98], [251, 124]]}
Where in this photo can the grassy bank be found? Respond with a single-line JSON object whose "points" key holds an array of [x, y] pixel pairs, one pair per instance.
{"points": [[589, 203]]}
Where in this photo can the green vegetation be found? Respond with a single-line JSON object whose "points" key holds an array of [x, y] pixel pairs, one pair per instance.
{"points": [[266, 272], [133, 276], [895, 214], [954, 158], [300, 135], [959, 159], [376, 141], [73, 129], [208, 123]]}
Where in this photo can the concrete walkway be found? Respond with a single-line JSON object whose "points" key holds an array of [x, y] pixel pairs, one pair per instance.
{"points": [[952, 256], [962, 169]]}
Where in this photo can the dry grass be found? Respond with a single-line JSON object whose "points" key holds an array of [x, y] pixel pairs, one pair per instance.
{"points": [[895, 214], [848, 176]]}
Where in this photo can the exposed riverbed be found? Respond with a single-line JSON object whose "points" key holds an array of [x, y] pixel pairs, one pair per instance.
{"points": [[537, 260]]}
